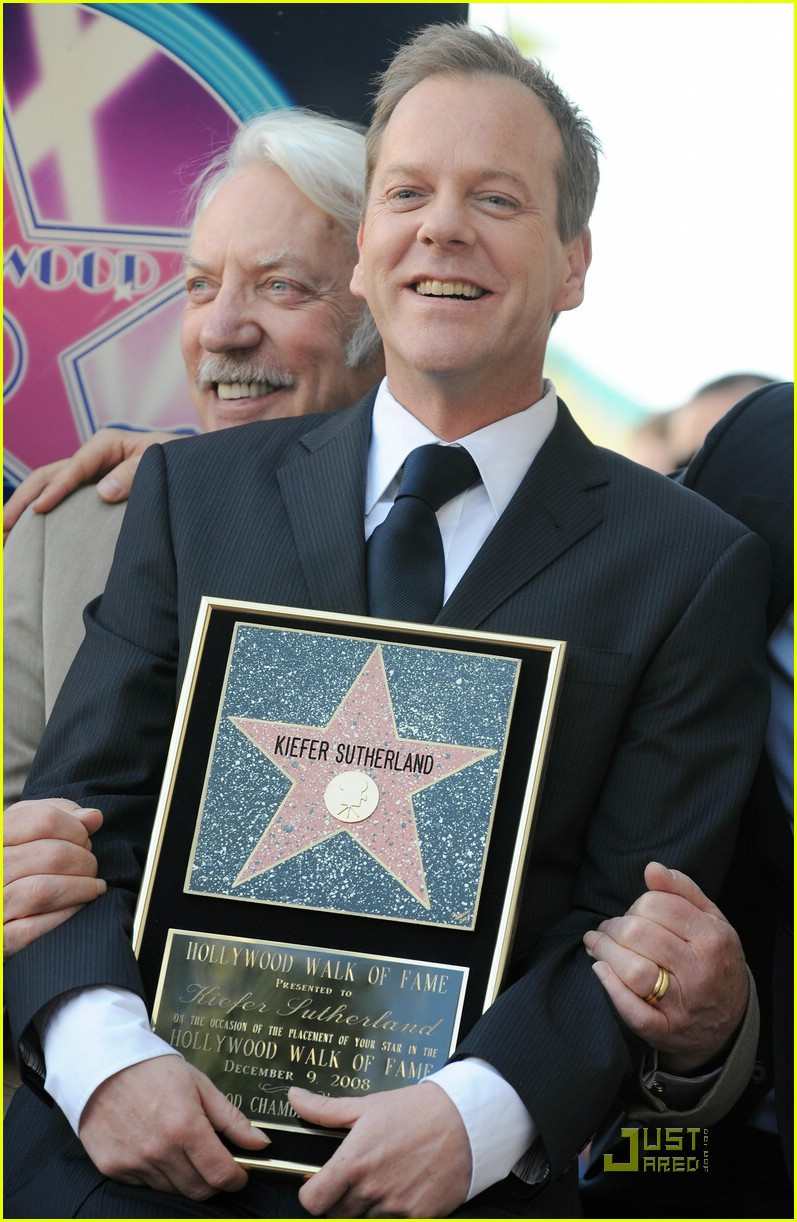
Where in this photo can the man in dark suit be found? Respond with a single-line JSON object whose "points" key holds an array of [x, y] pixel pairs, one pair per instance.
{"points": [[745, 465], [481, 182]]}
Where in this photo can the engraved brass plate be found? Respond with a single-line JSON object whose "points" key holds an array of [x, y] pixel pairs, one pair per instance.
{"points": [[259, 1017]]}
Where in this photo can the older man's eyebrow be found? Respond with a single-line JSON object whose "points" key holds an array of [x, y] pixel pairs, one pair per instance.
{"points": [[286, 261], [292, 263]]}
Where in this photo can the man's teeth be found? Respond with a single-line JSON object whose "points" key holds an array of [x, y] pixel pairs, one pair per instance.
{"points": [[241, 390], [447, 288]]}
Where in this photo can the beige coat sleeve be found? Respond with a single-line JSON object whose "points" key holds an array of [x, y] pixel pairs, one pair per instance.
{"points": [[703, 1105], [53, 564]]}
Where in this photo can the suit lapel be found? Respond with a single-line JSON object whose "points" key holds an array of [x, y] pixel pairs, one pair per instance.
{"points": [[551, 510], [323, 486]]}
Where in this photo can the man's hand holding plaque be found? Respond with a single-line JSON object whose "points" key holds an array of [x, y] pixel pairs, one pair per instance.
{"points": [[132, 1138], [377, 1171]]}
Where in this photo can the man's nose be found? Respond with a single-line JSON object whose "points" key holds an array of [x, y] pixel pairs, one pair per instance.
{"points": [[447, 220], [230, 322]]}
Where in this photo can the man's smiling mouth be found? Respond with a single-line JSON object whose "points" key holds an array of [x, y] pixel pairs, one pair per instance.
{"points": [[241, 379], [448, 288], [245, 390]]}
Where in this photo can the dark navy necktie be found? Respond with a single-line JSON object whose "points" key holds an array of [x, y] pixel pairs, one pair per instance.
{"points": [[404, 557]]}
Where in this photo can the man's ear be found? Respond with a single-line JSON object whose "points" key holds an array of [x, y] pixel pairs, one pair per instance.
{"points": [[356, 284], [578, 255]]}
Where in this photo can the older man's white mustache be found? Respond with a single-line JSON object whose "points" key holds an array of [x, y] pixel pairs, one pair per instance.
{"points": [[214, 371]]}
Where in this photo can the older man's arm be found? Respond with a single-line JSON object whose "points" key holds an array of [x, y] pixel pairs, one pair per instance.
{"points": [[49, 870], [111, 456], [674, 926], [707, 1019]]}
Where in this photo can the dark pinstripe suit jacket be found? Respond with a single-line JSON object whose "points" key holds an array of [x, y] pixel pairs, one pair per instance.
{"points": [[746, 466], [659, 595]]}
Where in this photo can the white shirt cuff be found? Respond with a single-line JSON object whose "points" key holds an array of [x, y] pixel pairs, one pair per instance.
{"points": [[87, 1037], [499, 1128]]}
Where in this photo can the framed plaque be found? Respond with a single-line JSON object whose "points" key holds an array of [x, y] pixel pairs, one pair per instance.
{"points": [[331, 888]]}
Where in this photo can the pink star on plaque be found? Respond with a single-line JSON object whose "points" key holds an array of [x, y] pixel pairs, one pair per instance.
{"points": [[354, 775]]}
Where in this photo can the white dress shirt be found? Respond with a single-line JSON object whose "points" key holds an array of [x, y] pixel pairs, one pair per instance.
{"points": [[503, 452], [89, 1035]]}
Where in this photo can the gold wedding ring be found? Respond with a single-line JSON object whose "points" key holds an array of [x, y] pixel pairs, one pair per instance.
{"points": [[660, 988]]}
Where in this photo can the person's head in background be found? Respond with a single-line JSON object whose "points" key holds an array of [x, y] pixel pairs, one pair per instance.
{"points": [[689, 424], [668, 441], [270, 325]]}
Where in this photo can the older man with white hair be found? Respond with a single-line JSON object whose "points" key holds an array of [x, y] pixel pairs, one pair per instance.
{"points": [[270, 329]]}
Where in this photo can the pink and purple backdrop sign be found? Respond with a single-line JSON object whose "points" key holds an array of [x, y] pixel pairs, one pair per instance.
{"points": [[104, 128], [110, 111]]}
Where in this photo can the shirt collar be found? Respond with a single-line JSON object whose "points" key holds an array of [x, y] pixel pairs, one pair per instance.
{"points": [[503, 451]]}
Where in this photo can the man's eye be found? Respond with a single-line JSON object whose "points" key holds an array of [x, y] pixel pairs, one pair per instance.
{"points": [[498, 201], [198, 287], [286, 289], [403, 195]]}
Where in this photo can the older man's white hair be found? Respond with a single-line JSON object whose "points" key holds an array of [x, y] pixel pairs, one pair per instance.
{"points": [[325, 158]]}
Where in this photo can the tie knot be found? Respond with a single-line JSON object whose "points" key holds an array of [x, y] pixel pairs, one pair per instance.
{"points": [[436, 474]]}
